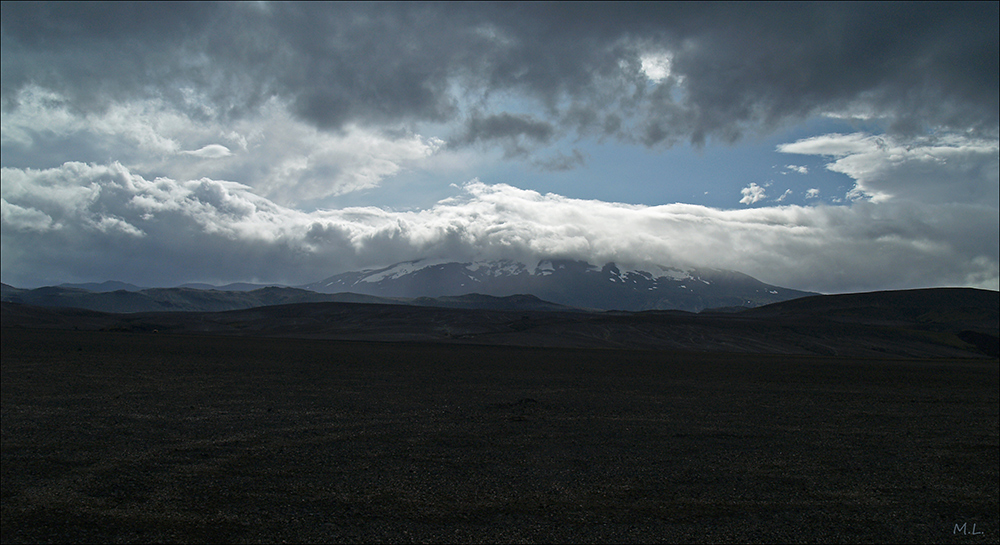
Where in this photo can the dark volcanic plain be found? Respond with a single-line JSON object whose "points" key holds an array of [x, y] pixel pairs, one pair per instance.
{"points": [[251, 427]]}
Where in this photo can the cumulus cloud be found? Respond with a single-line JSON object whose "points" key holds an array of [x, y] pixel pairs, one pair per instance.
{"points": [[24, 219], [797, 168], [752, 194], [812, 193], [169, 231], [656, 66], [282, 157], [34, 118], [947, 168]]}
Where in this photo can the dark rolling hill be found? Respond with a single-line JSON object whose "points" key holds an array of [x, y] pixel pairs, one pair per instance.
{"points": [[110, 285], [212, 300], [909, 304], [170, 299], [971, 315], [915, 323]]}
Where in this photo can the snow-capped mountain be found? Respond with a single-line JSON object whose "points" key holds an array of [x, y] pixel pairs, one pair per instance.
{"points": [[568, 282]]}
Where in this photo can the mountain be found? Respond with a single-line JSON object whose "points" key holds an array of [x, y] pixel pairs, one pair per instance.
{"points": [[495, 285], [566, 282]]}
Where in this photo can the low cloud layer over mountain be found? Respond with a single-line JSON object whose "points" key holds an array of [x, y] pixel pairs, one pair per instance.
{"points": [[283, 142]]}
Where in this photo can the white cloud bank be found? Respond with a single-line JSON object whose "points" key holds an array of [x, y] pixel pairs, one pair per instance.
{"points": [[283, 158], [946, 168], [95, 222]]}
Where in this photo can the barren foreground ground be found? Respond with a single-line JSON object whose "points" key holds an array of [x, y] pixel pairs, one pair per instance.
{"points": [[128, 437]]}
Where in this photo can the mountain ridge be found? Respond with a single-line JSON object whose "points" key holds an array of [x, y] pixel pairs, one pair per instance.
{"points": [[184, 299], [554, 285], [567, 282], [913, 323]]}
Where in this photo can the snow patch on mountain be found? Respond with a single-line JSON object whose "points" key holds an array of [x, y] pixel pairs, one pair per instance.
{"points": [[544, 268], [403, 269], [660, 271]]}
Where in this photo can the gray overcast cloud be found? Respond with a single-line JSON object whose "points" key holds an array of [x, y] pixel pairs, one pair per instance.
{"points": [[734, 67], [161, 143]]}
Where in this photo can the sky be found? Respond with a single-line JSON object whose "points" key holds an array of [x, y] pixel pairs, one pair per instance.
{"points": [[827, 147]]}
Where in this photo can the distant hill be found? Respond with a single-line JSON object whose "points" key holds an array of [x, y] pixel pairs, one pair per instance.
{"points": [[172, 299], [970, 314], [951, 309], [110, 285], [489, 302], [915, 323], [198, 300], [567, 282], [918, 305], [236, 286]]}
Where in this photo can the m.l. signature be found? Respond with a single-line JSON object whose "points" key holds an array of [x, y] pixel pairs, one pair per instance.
{"points": [[962, 530]]}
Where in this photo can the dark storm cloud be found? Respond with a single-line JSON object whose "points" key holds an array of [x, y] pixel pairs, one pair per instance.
{"points": [[734, 68], [561, 162], [505, 126], [518, 134]]}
